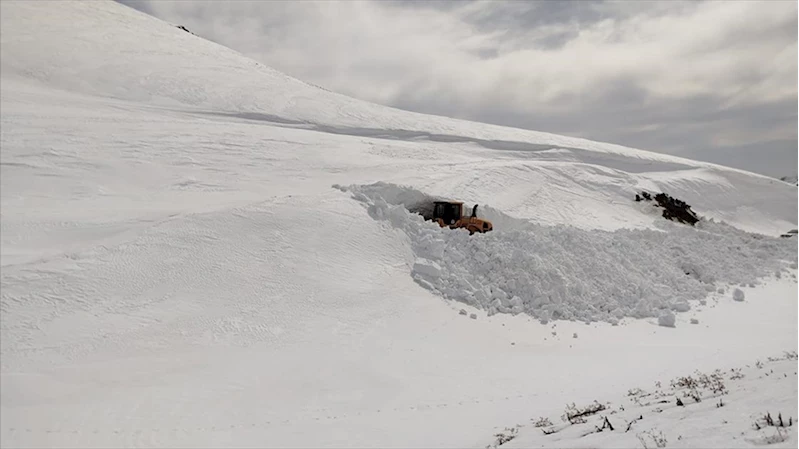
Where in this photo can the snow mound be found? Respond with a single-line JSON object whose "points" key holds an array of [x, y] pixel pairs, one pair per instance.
{"points": [[562, 272]]}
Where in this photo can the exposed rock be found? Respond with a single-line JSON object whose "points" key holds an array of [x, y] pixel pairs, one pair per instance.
{"points": [[184, 29], [673, 209]]}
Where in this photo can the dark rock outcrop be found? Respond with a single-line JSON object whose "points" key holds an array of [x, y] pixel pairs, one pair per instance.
{"points": [[673, 209], [184, 29]]}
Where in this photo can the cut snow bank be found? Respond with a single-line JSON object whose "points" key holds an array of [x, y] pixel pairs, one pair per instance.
{"points": [[568, 273]]}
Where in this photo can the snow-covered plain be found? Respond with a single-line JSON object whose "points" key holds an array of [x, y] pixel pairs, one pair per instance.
{"points": [[178, 269]]}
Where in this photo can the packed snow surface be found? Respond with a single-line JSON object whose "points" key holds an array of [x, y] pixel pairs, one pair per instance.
{"points": [[563, 272], [178, 272]]}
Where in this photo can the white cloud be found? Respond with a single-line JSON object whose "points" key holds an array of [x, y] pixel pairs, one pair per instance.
{"points": [[530, 63]]}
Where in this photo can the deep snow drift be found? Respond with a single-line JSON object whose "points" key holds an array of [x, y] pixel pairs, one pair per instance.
{"points": [[178, 272], [562, 272]]}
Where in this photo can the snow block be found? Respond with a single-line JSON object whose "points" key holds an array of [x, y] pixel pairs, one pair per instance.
{"points": [[424, 283], [681, 306], [427, 268], [666, 319]]}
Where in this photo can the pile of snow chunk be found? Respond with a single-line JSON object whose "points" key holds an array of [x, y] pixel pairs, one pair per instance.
{"points": [[561, 272]]}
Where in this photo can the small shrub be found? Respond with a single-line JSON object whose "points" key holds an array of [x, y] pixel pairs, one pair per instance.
{"points": [[543, 422], [691, 387], [503, 437], [736, 374], [684, 382], [767, 421], [713, 382], [630, 424], [656, 438], [606, 425], [635, 392], [694, 386], [575, 415]]}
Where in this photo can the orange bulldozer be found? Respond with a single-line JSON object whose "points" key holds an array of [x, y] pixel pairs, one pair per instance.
{"points": [[450, 214]]}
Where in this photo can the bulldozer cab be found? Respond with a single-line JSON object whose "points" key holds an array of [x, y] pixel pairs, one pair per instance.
{"points": [[448, 212]]}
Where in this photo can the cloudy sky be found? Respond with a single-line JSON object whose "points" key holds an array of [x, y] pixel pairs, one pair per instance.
{"points": [[715, 81]]}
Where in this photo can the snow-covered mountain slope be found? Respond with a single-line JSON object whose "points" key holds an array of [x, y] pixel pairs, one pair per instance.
{"points": [[110, 51], [72, 47], [178, 269]]}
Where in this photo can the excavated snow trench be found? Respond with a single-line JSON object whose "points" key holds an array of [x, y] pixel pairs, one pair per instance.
{"points": [[562, 272]]}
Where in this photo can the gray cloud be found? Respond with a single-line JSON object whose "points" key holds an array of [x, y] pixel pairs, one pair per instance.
{"points": [[713, 81]]}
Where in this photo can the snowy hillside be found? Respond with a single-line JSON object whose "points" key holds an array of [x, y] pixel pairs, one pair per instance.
{"points": [[197, 250], [113, 52]]}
